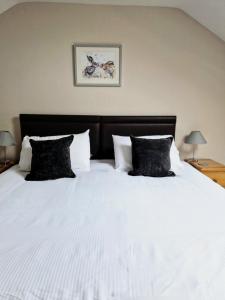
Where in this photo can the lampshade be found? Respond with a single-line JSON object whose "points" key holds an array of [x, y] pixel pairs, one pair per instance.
{"points": [[6, 139], [195, 137]]}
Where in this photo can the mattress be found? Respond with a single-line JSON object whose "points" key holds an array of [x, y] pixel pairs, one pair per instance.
{"points": [[108, 236]]}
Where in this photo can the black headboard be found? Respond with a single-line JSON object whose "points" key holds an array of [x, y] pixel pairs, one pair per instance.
{"points": [[101, 128]]}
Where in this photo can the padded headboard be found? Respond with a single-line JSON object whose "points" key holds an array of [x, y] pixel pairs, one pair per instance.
{"points": [[101, 128], [44, 125], [133, 125]]}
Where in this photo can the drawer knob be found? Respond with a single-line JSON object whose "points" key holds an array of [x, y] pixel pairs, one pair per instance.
{"points": [[214, 180]]}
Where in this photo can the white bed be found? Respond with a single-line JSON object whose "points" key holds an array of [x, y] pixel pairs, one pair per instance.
{"points": [[107, 236]]}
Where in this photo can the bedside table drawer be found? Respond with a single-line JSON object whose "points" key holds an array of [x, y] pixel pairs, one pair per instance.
{"points": [[218, 177]]}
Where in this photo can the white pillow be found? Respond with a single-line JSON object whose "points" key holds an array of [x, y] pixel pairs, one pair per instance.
{"points": [[79, 151], [123, 153]]}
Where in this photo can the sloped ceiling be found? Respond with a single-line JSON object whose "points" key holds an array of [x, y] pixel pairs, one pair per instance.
{"points": [[210, 13]]}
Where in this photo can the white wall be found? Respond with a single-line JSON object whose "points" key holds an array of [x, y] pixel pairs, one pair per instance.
{"points": [[171, 65]]}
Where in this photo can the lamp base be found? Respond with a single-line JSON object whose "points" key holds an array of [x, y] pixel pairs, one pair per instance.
{"points": [[191, 160], [5, 162], [197, 161]]}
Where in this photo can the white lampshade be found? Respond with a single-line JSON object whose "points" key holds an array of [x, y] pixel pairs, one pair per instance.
{"points": [[195, 137], [6, 139]]}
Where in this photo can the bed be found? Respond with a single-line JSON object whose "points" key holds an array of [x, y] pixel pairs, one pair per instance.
{"points": [[106, 235]]}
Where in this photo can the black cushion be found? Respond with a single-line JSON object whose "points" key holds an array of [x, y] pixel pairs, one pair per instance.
{"points": [[151, 157], [50, 159]]}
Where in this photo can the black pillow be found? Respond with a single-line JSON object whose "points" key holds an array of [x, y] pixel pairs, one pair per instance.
{"points": [[50, 159], [151, 157]]}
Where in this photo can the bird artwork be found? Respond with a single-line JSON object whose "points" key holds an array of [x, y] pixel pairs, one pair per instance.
{"points": [[99, 70]]}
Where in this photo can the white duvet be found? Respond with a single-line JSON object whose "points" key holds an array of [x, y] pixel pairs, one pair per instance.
{"points": [[108, 236]]}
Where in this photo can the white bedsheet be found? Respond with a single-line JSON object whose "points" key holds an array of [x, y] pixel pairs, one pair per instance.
{"points": [[109, 236]]}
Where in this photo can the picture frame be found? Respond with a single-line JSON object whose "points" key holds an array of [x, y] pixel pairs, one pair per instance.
{"points": [[97, 65]]}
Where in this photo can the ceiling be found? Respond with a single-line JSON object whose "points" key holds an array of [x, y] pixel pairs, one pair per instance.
{"points": [[210, 13]]}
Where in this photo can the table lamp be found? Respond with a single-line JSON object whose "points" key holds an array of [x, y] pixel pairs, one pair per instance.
{"points": [[195, 138], [6, 139]]}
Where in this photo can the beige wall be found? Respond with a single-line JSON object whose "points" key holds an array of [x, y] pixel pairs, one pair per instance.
{"points": [[171, 65]]}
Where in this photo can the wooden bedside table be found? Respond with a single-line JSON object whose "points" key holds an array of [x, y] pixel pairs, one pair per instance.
{"points": [[210, 168], [4, 167]]}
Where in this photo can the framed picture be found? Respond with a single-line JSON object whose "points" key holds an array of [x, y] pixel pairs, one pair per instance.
{"points": [[97, 65]]}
